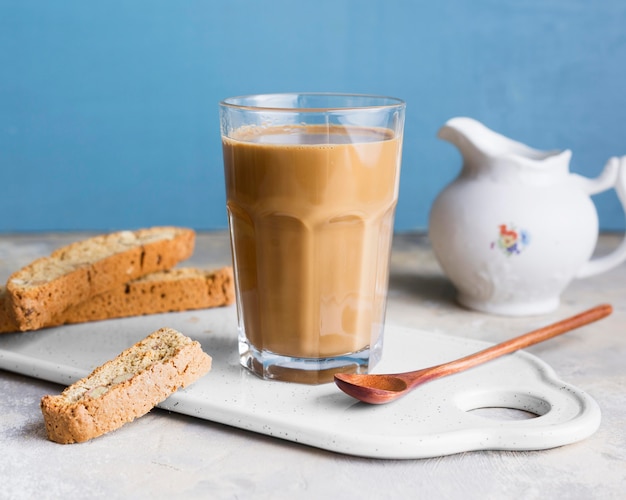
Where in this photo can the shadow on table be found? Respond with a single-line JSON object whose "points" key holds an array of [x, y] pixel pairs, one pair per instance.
{"points": [[426, 287]]}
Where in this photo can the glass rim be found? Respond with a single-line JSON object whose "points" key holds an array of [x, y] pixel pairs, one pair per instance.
{"points": [[389, 102]]}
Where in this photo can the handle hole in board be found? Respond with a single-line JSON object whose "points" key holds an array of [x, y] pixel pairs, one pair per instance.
{"points": [[503, 405]]}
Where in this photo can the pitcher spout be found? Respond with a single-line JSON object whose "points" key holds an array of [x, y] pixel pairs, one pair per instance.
{"points": [[480, 146]]}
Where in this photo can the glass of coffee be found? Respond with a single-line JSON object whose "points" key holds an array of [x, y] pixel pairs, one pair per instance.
{"points": [[311, 190]]}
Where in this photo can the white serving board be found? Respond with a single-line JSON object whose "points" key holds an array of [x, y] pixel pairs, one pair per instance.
{"points": [[433, 420]]}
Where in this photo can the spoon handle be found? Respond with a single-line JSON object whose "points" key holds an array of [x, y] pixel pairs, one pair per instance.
{"points": [[516, 343]]}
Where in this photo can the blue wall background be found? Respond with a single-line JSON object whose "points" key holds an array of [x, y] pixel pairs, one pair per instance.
{"points": [[108, 110]]}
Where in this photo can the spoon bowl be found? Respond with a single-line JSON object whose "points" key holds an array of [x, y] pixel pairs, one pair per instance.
{"points": [[384, 388], [376, 389]]}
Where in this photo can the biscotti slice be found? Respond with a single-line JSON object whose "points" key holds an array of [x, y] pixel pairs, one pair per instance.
{"points": [[78, 271], [124, 388], [172, 290], [179, 289]]}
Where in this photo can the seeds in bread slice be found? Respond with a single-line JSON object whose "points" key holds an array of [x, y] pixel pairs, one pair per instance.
{"points": [[77, 272], [124, 388]]}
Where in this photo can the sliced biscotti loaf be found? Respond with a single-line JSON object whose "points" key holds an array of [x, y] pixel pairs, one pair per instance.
{"points": [[124, 388], [172, 290], [76, 272]]}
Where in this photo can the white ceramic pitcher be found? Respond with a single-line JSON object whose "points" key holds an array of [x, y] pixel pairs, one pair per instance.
{"points": [[516, 227]]}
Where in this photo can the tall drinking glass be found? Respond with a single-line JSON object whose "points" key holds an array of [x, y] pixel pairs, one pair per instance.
{"points": [[311, 187]]}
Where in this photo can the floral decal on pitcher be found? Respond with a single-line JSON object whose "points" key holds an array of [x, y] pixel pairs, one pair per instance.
{"points": [[511, 240]]}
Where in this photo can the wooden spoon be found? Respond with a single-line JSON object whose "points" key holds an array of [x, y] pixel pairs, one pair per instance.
{"points": [[379, 389]]}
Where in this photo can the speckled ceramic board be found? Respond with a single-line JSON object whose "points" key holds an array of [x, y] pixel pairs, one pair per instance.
{"points": [[436, 419]]}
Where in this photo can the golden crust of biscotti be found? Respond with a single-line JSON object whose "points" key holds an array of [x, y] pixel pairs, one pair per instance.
{"points": [[76, 272], [7, 318], [125, 387], [171, 290]]}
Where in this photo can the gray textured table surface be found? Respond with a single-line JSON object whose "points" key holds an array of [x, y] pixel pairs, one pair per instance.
{"points": [[164, 455]]}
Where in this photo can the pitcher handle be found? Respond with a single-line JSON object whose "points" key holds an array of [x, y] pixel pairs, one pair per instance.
{"points": [[613, 175]]}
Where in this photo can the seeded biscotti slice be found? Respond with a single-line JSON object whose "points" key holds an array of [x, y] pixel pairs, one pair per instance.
{"points": [[124, 388], [179, 289], [172, 290], [77, 272]]}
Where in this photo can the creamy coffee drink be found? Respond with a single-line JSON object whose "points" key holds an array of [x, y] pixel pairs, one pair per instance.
{"points": [[311, 213]]}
